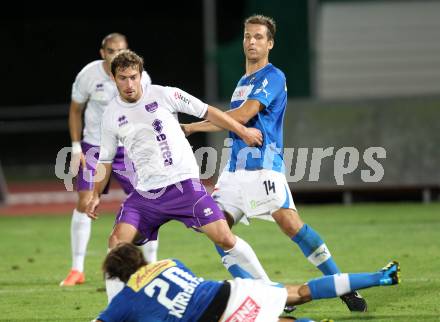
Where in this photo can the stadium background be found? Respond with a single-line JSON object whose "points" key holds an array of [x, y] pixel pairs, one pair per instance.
{"points": [[360, 74]]}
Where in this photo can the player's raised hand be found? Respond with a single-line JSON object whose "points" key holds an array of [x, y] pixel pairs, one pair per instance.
{"points": [[92, 207], [252, 137]]}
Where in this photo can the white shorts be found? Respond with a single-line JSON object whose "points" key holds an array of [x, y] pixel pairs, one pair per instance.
{"points": [[254, 301], [245, 194]]}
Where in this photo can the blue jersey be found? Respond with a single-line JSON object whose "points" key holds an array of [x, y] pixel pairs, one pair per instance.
{"points": [[268, 86], [163, 291]]}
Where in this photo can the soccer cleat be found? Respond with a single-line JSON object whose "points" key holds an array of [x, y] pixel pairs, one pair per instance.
{"points": [[355, 302], [75, 277], [391, 274]]}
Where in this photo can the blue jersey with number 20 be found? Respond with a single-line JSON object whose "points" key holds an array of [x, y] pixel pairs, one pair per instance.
{"points": [[163, 291]]}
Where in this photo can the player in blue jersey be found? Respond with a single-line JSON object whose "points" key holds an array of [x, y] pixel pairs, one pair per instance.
{"points": [[168, 291], [253, 184]]}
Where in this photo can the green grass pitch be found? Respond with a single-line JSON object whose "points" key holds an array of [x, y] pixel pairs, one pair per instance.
{"points": [[35, 257]]}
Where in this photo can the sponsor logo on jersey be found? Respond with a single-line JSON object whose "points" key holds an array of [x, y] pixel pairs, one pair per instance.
{"points": [[241, 93], [146, 274], [163, 142], [246, 312], [152, 107], [122, 120], [179, 96]]}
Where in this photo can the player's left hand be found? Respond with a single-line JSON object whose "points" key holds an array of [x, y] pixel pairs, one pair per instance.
{"points": [[253, 137]]}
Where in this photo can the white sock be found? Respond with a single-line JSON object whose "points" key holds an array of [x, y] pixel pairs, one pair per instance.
{"points": [[113, 286], [244, 256], [79, 236], [150, 251]]}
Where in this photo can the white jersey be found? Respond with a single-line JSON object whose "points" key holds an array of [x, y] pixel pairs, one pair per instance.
{"points": [[151, 134], [96, 88]]}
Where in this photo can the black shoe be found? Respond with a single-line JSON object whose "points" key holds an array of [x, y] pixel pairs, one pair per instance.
{"points": [[355, 302], [289, 308]]}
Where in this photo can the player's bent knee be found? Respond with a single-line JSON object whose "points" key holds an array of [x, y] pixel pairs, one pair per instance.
{"points": [[113, 240], [226, 241], [288, 220]]}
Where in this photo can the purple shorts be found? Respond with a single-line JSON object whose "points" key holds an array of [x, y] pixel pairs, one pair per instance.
{"points": [[186, 201], [122, 170]]}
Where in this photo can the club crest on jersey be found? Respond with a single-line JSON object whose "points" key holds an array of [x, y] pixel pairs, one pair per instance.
{"points": [[157, 125], [179, 96], [152, 107], [122, 120], [99, 87]]}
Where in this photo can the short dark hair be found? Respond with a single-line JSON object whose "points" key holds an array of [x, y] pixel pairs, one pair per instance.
{"points": [[127, 58], [112, 37], [122, 261], [265, 21]]}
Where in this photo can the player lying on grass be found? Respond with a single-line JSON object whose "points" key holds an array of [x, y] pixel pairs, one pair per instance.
{"points": [[168, 291]]}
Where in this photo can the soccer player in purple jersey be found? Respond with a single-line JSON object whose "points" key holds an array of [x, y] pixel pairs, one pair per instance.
{"points": [[144, 118]]}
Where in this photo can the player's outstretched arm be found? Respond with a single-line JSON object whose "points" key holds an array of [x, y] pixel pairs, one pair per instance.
{"points": [[251, 136], [203, 126], [242, 115]]}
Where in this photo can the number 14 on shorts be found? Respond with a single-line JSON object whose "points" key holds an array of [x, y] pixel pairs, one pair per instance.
{"points": [[269, 186]]}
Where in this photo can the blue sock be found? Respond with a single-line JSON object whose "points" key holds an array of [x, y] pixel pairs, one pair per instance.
{"points": [[364, 280], [340, 284], [234, 269], [314, 248]]}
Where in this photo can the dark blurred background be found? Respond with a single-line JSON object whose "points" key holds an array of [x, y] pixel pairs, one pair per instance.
{"points": [[359, 73], [43, 54]]}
